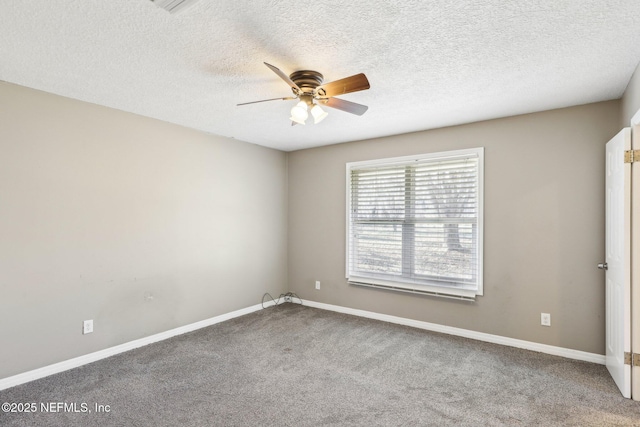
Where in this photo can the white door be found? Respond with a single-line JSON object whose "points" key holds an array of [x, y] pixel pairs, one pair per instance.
{"points": [[618, 259], [635, 259]]}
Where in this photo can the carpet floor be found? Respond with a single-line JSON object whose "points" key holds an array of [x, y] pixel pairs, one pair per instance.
{"points": [[292, 365]]}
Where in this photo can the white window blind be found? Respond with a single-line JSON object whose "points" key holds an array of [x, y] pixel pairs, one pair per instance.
{"points": [[415, 223]]}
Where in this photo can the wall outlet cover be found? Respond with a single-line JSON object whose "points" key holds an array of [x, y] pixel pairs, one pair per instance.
{"points": [[545, 319], [87, 327]]}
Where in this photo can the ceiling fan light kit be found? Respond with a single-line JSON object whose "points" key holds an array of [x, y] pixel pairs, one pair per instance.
{"points": [[308, 87]]}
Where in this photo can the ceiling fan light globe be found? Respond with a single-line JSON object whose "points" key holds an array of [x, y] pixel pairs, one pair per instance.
{"points": [[299, 112], [318, 114], [298, 121]]}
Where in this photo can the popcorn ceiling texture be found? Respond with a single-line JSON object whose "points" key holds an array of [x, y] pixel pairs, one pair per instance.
{"points": [[430, 63]]}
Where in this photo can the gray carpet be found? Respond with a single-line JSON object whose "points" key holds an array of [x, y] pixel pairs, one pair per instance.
{"points": [[292, 365]]}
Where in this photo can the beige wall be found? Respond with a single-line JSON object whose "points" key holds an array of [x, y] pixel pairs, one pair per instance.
{"points": [[100, 209], [631, 99], [544, 225]]}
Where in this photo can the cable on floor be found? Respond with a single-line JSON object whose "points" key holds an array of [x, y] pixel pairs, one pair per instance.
{"points": [[288, 297]]}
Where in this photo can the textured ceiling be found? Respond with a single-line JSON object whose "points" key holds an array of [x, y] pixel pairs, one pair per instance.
{"points": [[430, 63]]}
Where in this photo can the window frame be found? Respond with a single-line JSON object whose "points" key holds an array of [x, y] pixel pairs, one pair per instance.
{"points": [[402, 283]]}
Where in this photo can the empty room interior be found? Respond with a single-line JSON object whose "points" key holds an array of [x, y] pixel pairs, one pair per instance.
{"points": [[324, 213]]}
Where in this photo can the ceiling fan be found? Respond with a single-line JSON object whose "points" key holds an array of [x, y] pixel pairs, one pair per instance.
{"points": [[307, 86]]}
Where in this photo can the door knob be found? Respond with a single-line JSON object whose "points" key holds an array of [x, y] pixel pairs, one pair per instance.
{"points": [[603, 266]]}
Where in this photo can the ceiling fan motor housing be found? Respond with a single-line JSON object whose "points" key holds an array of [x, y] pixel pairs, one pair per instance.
{"points": [[307, 80]]}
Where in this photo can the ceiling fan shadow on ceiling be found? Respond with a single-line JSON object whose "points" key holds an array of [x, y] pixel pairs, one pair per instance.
{"points": [[308, 87]]}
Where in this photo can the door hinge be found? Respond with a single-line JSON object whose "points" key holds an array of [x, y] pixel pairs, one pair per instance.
{"points": [[632, 359], [631, 156]]}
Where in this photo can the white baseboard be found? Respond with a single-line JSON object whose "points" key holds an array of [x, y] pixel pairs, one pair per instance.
{"points": [[480, 336], [112, 351]]}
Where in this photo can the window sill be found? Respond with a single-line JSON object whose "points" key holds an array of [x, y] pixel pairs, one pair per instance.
{"points": [[444, 292]]}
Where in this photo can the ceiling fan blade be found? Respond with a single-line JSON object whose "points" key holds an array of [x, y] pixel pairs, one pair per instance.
{"points": [[265, 100], [347, 85], [348, 106], [283, 76]]}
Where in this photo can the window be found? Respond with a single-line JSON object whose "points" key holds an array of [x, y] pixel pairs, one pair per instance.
{"points": [[414, 223]]}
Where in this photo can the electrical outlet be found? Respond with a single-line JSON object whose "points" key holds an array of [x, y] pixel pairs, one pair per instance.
{"points": [[87, 327], [545, 319], [317, 285]]}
